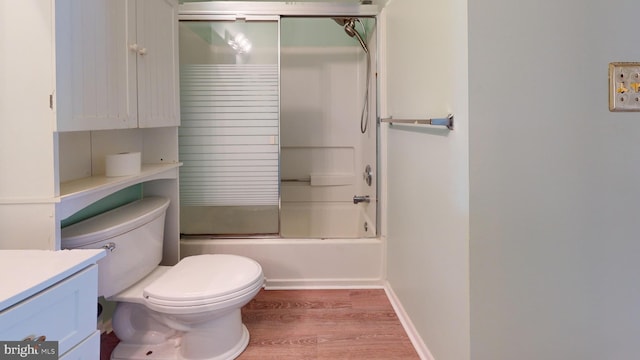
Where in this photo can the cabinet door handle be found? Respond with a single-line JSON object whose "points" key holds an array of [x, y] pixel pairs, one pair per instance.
{"points": [[40, 338], [142, 51], [109, 246], [133, 47]]}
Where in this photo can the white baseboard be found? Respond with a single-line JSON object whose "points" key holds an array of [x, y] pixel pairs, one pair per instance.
{"points": [[324, 284], [412, 332]]}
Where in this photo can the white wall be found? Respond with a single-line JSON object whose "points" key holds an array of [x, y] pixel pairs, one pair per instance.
{"points": [[426, 76], [555, 255]]}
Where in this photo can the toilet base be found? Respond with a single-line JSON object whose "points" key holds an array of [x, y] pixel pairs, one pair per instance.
{"points": [[170, 350]]}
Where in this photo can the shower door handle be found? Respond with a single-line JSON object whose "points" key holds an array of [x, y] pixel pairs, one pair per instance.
{"points": [[361, 198]]}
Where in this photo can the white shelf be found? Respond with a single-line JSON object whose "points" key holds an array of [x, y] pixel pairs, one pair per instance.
{"points": [[77, 194]]}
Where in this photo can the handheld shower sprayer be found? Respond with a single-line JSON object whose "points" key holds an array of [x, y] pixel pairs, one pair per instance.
{"points": [[349, 25], [350, 29]]}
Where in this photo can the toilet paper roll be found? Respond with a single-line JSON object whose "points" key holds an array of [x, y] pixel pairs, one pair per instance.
{"points": [[122, 164]]}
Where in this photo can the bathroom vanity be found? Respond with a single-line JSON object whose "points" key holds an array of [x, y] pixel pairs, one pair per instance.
{"points": [[52, 296]]}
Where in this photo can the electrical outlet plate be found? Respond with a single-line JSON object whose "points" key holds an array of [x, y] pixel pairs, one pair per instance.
{"points": [[624, 86]]}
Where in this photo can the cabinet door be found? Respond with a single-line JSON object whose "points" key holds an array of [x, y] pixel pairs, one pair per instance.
{"points": [[62, 312], [26, 120], [95, 65], [158, 83]]}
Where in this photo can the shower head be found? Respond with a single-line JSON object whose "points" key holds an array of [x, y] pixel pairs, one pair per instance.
{"points": [[349, 25]]}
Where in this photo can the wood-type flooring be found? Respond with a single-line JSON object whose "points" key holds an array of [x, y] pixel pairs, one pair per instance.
{"points": [[319, 324]]}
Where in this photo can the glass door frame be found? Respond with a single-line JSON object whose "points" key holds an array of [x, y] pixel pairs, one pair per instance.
{"points": [[224, 10], [253, 18]]}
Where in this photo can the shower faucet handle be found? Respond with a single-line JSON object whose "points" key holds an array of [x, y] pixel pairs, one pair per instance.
{"points": [[368, 175]]}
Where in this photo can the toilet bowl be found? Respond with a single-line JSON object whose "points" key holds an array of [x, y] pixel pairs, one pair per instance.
{"points": [[187, 311]]}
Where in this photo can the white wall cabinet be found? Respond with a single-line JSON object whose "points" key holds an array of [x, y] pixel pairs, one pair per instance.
{"points": [[116, 64], [72, 89], [158, 72]]}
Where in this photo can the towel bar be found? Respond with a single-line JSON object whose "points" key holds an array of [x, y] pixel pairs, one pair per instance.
{"points": [[448, 121]]}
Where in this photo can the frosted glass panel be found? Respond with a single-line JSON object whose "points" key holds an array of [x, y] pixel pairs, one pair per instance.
{"points": [[229, 138]]}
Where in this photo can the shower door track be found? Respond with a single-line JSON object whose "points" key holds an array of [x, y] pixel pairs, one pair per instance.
{"points": [[239, 9]]}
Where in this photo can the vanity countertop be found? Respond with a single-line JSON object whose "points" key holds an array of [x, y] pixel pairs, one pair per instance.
{"points": [[26, 272]]}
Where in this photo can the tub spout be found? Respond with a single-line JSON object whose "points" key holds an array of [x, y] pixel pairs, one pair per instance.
{"points": [[361, 198]]}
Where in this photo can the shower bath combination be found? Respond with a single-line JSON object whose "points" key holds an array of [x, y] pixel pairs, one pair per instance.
{"points": [[261, 157], [349, 25]]}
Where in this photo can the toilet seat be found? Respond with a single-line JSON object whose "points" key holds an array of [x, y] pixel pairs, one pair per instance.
{"points": [[203, 281]]}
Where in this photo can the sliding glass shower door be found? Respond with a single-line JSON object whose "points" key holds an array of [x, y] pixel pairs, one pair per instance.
{"points": [[229, 137]]}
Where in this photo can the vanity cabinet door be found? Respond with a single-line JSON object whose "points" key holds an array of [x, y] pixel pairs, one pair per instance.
{"points": [[64, 312]]}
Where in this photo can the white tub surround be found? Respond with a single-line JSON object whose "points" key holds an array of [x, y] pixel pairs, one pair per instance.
{"points": [[326, 220]]}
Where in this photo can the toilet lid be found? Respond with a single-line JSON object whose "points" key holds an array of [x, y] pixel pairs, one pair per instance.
{"points": [[203, 277]]}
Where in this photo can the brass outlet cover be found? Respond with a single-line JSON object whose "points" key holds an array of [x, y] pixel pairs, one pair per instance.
{"points": [[624, 86]]}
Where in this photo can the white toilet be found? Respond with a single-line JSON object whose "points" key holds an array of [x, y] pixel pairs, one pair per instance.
{"points": [[187, 311]]}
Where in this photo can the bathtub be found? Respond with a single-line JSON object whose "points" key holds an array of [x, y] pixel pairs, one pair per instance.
{"points": [[331, 248]]}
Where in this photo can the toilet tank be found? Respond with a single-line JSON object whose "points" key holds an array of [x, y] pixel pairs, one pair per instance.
{"points": [[132, 234]]}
